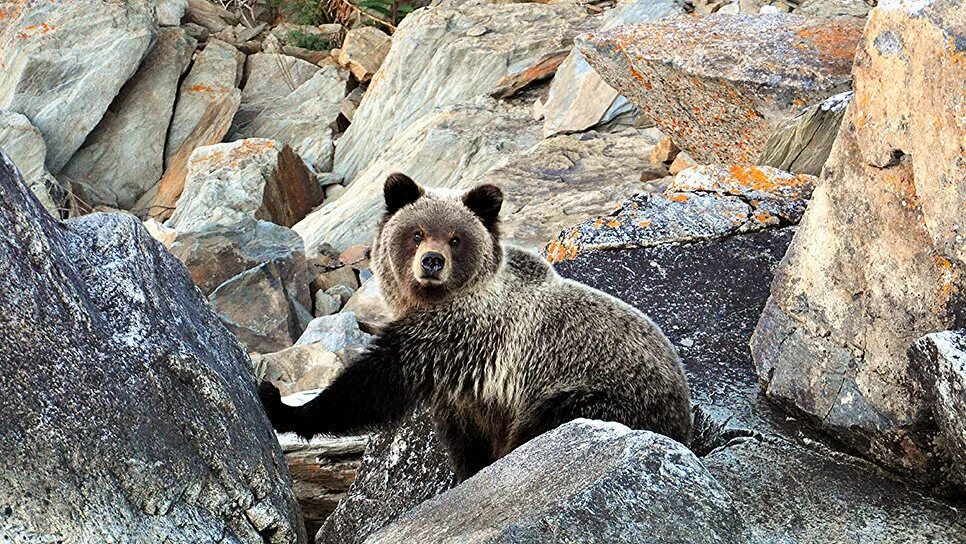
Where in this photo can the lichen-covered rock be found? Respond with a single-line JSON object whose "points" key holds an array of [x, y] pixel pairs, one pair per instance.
{"points": [[586, 481], [450, 148], [802, 146], [150, 428], [701, 202], [578, 98], [879, 259], [939, 361], [24, 145], [447, 54], [244, 180], [63, 63], [299, 110], [720, 85], [124, 155], [401, 468]]}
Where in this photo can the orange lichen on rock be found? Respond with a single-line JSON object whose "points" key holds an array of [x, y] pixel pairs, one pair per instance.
{"points": [[679, 197], [204, 89], [946, 276], [833, 38], [557, 251], [613, 223], [644, 223]]}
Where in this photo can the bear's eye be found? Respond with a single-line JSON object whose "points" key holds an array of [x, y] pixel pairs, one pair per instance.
{"points": [[454, 241], [418, 236]]}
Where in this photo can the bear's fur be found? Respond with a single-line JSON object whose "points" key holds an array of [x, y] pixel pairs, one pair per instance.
{"points": [[498, 346]]}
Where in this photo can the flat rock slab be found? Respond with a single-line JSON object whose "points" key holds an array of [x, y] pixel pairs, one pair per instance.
{"points": [[719, 85], [701, 202], [131, 411], [585, 481]]}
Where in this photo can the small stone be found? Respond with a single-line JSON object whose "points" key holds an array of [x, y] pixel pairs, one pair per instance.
{"points": [[351, 102], [476, 31], [340, 276], [664, 152], [369, 307], [161, 233], [196, 31], [326, 304], [730, 9], [335, 332], [681, 161], [363, 51], [342, 294], [356, 256]]}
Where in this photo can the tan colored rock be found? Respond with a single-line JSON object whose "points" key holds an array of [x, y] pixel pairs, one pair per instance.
{"points": [[879, 259], [298, 368], [681, 161], [833, 9], [161, 233], [328, 279], [64, 62], [720, 85], [363, 51], [664, 152], [124, 155], [209, 15], [245, 180], [435, 62]]}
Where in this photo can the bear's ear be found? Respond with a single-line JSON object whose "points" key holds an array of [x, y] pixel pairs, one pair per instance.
{"points": [[399, 191], [485, 202]]}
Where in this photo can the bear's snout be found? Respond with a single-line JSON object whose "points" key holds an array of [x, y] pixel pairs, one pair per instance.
{"points": [[433, 263]]}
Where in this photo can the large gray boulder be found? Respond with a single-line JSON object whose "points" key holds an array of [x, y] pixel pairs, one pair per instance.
{"points": [[24, 145], [578, 98], [447, 54], [131, 413], [64, 62], [719, 85], [586, 481], [124, 155], [879, 260]]}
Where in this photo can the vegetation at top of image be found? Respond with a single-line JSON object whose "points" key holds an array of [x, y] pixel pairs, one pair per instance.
{"points": [[313, 42]]}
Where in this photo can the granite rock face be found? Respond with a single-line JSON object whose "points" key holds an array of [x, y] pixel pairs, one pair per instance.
{"points": [[939, 360], [447, 54], [719, 85], [578, 99], [879, 259], [585, 481], [124, 155], [701, 202], [126, 441], [64, 62]]}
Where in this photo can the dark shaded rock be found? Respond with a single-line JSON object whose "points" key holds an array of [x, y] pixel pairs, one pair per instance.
{"points": [[130, 412], [401, 468], [586, 481], [939, 361], [803, 145]]}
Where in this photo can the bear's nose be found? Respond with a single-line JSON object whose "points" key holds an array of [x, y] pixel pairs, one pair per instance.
{"points": [[433, 263]]}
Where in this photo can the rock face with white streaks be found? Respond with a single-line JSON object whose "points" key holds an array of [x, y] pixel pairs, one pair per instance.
{"points": [[124, 155], [63, 63], [719, 85], [879, 259], [585, 481], [578, 98], [447, 54], [126, 441]]}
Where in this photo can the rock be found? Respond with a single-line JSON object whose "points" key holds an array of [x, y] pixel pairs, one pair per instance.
{"points": [[834, 9], [327, 304], [301, 112], [214, 76], [369, 307], [123, 157], [356, 256], [64, 62], [335, 333], [245, 180], [210, 15], [701, 202], [328, 279], [681, 161], [298, 368], [564, 179], [160, 386], [450, 148], [882, 233], [664, 152], [543, 68], [160, 233], [24, 145], [578, 98], [260, 308], [789, 493], [434, 64], [803, 145], [720, 85], [170, 12], [198, 32], [363, 51], [341, 293], [939, 360], [350, 103], [308, 55], [562, 486], [401, 468]]}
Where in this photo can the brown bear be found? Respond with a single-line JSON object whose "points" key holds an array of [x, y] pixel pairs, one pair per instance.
{"points": [[496, 344]]}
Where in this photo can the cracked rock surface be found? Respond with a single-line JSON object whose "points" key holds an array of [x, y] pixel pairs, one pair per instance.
{"points": [[130, 412]]}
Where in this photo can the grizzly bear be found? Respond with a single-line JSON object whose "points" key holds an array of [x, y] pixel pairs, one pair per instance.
{"points": [[488, 337]]}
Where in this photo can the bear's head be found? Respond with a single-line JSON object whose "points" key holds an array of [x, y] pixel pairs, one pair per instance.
{"points": [[432, 246]]}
